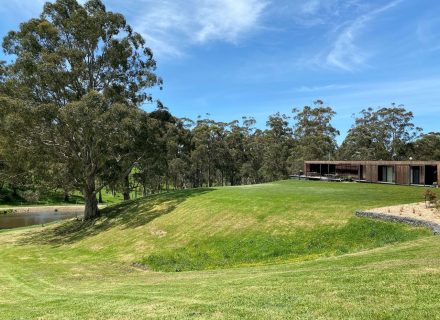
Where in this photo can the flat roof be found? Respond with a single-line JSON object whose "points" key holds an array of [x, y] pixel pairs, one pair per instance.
{"points": [[375, 162]]}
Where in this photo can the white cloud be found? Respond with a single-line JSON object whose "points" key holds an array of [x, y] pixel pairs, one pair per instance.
{"points": [[171, 26], [344, 53], [318, 12]]}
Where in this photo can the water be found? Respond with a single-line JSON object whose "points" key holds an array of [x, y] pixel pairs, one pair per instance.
{"points": [[28, 219]]}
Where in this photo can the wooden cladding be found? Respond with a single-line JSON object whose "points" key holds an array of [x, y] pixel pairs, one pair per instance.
{"points": [[398, 172]]}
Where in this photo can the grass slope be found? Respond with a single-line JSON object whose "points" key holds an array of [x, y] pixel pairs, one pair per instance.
{"points": [[68, 270]]}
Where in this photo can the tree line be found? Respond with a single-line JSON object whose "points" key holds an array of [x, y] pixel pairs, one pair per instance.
{"points": [[72, 118]]}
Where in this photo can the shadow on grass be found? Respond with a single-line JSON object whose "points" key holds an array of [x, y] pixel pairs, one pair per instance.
{"points": [[131, 214]]}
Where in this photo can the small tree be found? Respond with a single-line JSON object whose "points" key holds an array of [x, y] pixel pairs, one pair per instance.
{"points": [[430, 198]]}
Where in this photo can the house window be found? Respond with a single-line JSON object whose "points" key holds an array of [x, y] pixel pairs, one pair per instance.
{"points": [[415, 175], [386, 174], [430, 175]]}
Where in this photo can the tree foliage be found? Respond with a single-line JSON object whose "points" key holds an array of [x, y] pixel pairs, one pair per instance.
{"points": [[382, 134], [314, 133], [74, 88]]}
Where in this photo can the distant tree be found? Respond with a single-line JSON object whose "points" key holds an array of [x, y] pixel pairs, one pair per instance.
{"points": [[383, 134], [366, 140], [314, 133], [427, 147], [77, 80], [399, 129], [277, 145], [208, 139]]}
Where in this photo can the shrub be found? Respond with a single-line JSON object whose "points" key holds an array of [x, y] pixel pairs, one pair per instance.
{"points": [[437, 205], [430, 197], [5, 198]]}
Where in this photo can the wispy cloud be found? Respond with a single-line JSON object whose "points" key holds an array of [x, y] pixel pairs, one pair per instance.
{"points": [[319, 89], [317, 12], [172, 26], [427, 33], [417, 93], [344, 53]]}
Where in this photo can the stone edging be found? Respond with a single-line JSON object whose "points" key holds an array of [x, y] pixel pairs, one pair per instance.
{"points": [[435, 227]]}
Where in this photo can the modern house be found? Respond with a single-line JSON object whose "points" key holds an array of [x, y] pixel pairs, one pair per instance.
{"points": [[425, 173]]}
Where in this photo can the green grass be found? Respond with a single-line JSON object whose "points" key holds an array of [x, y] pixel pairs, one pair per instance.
{"points": [[257, 247], [295, 247]]}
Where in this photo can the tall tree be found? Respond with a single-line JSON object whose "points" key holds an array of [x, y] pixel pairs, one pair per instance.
{"points": [[314, 133], [366, 139], [278, 143], [427, 147], [382, 134], [399, 130], [79, 75]]}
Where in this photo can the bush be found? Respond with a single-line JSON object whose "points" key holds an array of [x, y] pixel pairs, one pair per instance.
{"points": [[5, 198], [430, 198], [437, 205], [30, 195]]}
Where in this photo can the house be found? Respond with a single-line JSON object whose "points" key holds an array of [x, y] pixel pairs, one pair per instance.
{"points": [[425, 173]]}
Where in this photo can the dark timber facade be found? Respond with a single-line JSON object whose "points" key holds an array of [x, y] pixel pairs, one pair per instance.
{"points": [[398, 172]]}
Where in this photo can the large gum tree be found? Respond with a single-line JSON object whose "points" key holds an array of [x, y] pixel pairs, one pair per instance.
{"points": [[73, 90]]}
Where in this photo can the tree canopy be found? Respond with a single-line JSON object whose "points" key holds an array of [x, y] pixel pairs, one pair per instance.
{"points": [[74, 88]]}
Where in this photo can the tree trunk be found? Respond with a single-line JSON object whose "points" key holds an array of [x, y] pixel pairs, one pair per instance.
{"points": [[126, 192], [91, 209], [14, 191], [91, 204], [66, 196], [100, 197]]}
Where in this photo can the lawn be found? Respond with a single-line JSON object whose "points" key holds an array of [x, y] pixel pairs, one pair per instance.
{"points": [[289, 249]]}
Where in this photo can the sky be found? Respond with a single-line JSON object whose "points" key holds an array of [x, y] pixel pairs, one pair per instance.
{"points": [[234, 58]]}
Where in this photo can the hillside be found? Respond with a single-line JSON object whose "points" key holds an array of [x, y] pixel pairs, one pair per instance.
{"points": [[75, 269]]}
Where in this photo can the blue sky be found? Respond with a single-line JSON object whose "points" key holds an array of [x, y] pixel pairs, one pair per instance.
{"points": [[233, 58]]}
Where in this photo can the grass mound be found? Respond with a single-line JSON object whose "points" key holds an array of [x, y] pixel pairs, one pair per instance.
{"points": [[254, 247], [75, 270], [226, 227]]}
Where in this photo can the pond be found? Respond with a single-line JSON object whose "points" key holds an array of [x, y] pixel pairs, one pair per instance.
{"points": [[10, 221]]}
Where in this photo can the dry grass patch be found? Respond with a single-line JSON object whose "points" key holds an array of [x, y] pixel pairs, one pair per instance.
{"points": [[416, 210]]}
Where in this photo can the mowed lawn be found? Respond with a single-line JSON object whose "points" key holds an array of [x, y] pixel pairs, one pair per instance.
{"points": [[290, 249]]}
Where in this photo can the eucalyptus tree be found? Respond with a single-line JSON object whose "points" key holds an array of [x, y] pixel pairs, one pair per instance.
{"points": [[203, 156], [277, 147], [314, 133], [180, 149], [235, 151], [385, 133], [399, 129], [78, 77], [254, 147], [427, 147]]}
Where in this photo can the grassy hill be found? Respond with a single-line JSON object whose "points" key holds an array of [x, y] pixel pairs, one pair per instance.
{"points": [[301, 253]]}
